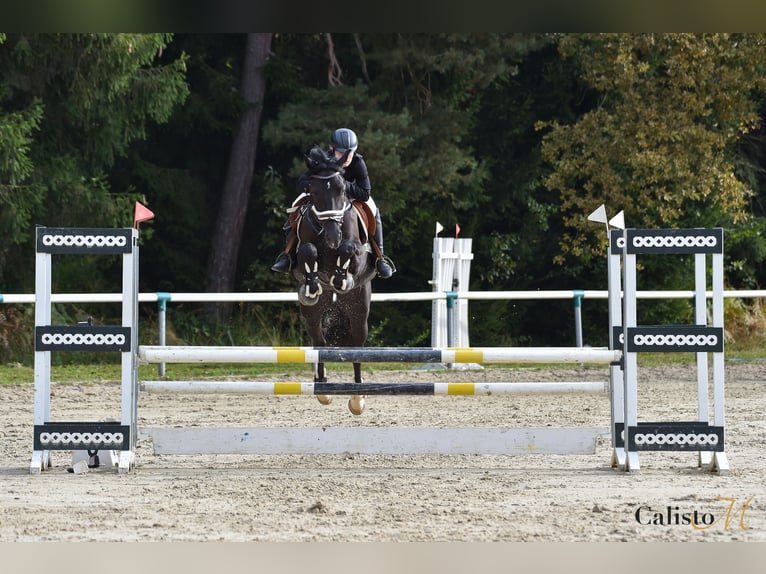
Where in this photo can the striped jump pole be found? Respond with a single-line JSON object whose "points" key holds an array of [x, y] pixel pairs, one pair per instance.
{"points": [[438, 389], [188, 354]]}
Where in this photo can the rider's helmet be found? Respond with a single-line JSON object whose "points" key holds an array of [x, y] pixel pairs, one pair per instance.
{"points": [[344, 139]]}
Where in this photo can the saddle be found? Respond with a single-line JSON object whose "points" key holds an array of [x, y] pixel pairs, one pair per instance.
{"points": [[365, 219]]}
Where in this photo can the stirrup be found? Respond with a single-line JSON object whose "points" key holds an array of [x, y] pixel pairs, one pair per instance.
{"points": [[279, 266], [387, 261]]}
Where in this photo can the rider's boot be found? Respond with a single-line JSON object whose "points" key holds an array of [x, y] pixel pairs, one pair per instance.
{"points": [[384, 266], [284, 261]]}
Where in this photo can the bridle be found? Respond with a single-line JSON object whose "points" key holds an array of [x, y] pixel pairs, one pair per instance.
{"points": [[335, 215]]}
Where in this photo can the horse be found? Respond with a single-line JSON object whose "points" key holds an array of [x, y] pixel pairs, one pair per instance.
{"points": [[334, 264]]}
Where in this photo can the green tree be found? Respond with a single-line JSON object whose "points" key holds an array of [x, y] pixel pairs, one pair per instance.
{"points": [[412, 99], [660, 142], [70, 104], [230, 221]]}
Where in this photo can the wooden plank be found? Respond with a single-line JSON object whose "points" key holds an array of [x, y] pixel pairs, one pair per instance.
{"points": [[373, 440]]}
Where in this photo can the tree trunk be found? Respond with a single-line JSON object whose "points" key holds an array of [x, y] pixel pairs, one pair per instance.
{"points": [[227, 236]]}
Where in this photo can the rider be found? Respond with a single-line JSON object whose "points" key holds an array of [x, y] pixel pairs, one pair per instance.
{"points": [[357, 187]]}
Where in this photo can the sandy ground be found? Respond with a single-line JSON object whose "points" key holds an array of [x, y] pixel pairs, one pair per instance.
{"points": [[389, 498]]}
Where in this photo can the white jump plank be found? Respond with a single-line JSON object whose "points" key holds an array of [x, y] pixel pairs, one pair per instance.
{"points": [[372, 440]]}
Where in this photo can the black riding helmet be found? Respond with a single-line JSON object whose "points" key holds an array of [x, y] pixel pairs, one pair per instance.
{"points": [[344, 139]]}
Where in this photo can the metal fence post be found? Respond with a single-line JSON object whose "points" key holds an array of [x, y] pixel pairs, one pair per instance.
{"points": [[162, 306], [578, 295]]}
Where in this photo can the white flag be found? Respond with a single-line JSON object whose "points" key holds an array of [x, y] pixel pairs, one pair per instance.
{"points": [[618, 220], [439, 228], [599, 216]]}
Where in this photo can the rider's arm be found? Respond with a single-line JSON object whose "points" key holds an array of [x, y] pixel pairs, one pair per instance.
{"points": [[358, 180]]}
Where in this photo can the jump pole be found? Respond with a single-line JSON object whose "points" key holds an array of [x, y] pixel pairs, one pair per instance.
{"points": [[373, 440], [434, 389], [186, 354]]}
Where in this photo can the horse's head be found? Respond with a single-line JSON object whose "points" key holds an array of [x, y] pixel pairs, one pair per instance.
{"points": [[327, 189], [320, 161]]}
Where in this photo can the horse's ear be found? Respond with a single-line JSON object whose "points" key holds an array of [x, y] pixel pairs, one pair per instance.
{"points": [[310, 158], [315, 156]]}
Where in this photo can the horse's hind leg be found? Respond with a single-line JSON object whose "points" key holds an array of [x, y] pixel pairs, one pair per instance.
{"points": [[356, 402], [319, 377], [312, 320]]}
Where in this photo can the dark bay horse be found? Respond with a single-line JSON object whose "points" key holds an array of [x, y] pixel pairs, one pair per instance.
{"points": [[335, 265]]}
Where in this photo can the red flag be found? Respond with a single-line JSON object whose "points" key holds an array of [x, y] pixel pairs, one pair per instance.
{"points": [[141, 213], [457, 230]]}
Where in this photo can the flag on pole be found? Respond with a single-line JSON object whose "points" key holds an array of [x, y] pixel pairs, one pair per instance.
{"points": [[141, 213], [439, 228], [599, 216], [457, 230], [618, 220]]}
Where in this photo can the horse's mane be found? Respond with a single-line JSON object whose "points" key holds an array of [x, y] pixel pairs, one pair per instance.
{"points": [[319, 161]]}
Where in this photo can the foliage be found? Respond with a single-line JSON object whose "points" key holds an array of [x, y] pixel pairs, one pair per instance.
{"points": [[70, 104], [659, 143], [515, 137], [16, 339], [745, 325]]}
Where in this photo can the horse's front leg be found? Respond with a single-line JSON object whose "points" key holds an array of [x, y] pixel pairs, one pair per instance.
{"points": [[309, 292], [343, 278]]}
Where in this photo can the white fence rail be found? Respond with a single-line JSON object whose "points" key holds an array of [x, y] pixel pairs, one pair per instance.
{"points": [[264, 297], [577, 295]]}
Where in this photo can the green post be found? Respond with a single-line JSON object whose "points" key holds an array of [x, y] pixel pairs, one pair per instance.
{"points": [[578, 296], [162, 307]]}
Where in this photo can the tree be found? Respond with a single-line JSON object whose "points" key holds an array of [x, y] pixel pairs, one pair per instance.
{"points": [[230, 221], [412, 99], [70, 104], [660, 142]]}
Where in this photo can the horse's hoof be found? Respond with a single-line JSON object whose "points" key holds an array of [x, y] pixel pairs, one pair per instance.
{"points": [[345, 284], [324, 399], [305, 297], [356, 404]]}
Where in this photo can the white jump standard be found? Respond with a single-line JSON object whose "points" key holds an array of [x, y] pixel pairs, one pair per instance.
{"points": [[88, 436], [702, 339]]}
